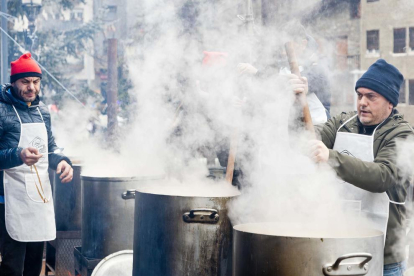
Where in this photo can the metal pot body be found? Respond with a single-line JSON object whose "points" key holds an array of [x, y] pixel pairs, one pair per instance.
{"points": [[175, 235], [259, 254], [107, 218], [67, 200]]}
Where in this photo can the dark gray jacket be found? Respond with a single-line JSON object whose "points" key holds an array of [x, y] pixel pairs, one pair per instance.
{"points": [[10, 130]]}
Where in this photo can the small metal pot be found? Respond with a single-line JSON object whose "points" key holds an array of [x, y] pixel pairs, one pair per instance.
{"points": [[276, 249]]}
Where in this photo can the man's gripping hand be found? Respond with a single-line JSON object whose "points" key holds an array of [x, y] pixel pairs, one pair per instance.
{"points": [[298, 85], [318, 151], [66, 172], [30, 156]]}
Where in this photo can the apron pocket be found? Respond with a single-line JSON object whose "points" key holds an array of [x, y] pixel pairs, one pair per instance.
{"points": [[36, 191]]}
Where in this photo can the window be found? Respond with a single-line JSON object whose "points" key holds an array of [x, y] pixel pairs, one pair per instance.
{"points": [[411, 34], [76, 15], [355, 9], [373, 40], [112, 13], [399, 40], [411, 92], [80, 16], [402, 98]]}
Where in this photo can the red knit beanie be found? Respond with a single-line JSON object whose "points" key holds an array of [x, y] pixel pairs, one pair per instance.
{"points": [[25, 66]]}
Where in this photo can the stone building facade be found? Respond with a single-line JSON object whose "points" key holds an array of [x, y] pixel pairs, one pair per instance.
{"points": [[335, 24], [387, 31]]}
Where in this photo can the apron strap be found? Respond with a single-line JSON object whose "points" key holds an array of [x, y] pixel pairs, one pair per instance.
{"points": [[397, 203], [373, 133], [41, 116], [18, 116], [346, 122], [20, 120]]}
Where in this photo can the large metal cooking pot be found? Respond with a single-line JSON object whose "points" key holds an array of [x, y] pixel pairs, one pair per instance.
{"points": [[107, 216], [183, 232], [67, 200], [281, 249]]}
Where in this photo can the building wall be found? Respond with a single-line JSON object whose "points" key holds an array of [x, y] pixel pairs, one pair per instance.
{"points": [[88, 72], [385, 15], [338, 32]]}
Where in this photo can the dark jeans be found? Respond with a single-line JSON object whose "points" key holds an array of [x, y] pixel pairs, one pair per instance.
{"points": [[18, 258], [395, 269]]}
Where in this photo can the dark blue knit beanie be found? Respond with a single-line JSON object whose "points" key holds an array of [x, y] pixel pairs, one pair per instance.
{"points": [[384, 79]]}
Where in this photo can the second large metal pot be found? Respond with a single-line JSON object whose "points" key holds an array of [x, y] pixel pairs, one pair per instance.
{"points": [[182, 233], [108, 214], [268, 249]]}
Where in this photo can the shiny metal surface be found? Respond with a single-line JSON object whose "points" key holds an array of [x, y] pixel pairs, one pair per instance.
{"points": [[166, 242], [67, 200], [266, 253], [107, 218]]}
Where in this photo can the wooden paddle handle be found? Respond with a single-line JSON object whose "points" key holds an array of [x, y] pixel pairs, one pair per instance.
{"points": [[294, 68], [232, 155]]}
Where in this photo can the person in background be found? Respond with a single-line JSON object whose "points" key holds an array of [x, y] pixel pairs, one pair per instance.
{"points": [[213, 81], [27, 148], [361, 147], [314, 76]]}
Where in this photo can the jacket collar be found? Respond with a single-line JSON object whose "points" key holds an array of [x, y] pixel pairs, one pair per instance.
{"points": [[395, 116]]}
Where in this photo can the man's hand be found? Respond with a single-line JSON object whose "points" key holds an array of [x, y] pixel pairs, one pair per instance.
{"points": [[30, 156], [246, 68], [298, 85], [66, 171], [318, 151]]}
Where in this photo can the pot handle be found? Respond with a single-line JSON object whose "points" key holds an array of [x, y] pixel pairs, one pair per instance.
{"points": [[129, 194], [202, 215], [348, 269]]}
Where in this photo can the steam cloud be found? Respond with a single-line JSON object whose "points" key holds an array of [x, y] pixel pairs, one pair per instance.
{"points": [[166, 71]]}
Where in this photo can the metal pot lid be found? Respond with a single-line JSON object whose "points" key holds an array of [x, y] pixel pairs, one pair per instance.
{"points": [[118, 263], [120, 178]]}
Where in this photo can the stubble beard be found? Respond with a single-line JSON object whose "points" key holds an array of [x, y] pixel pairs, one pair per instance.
{"points": [[21, 94]]}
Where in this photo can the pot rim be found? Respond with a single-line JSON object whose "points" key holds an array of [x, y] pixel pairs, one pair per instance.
{"points": [[120, 178], [355, 233], [156, 191]]}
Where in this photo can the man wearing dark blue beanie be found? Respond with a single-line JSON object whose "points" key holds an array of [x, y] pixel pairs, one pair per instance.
{"points": [[384, 79], [361, 147]]}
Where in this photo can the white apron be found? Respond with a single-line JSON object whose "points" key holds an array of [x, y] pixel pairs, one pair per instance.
{"points": [[29, 207], [374, 207]]}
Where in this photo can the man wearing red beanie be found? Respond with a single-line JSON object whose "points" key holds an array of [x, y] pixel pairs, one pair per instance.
{"points": [[27, 148]]}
